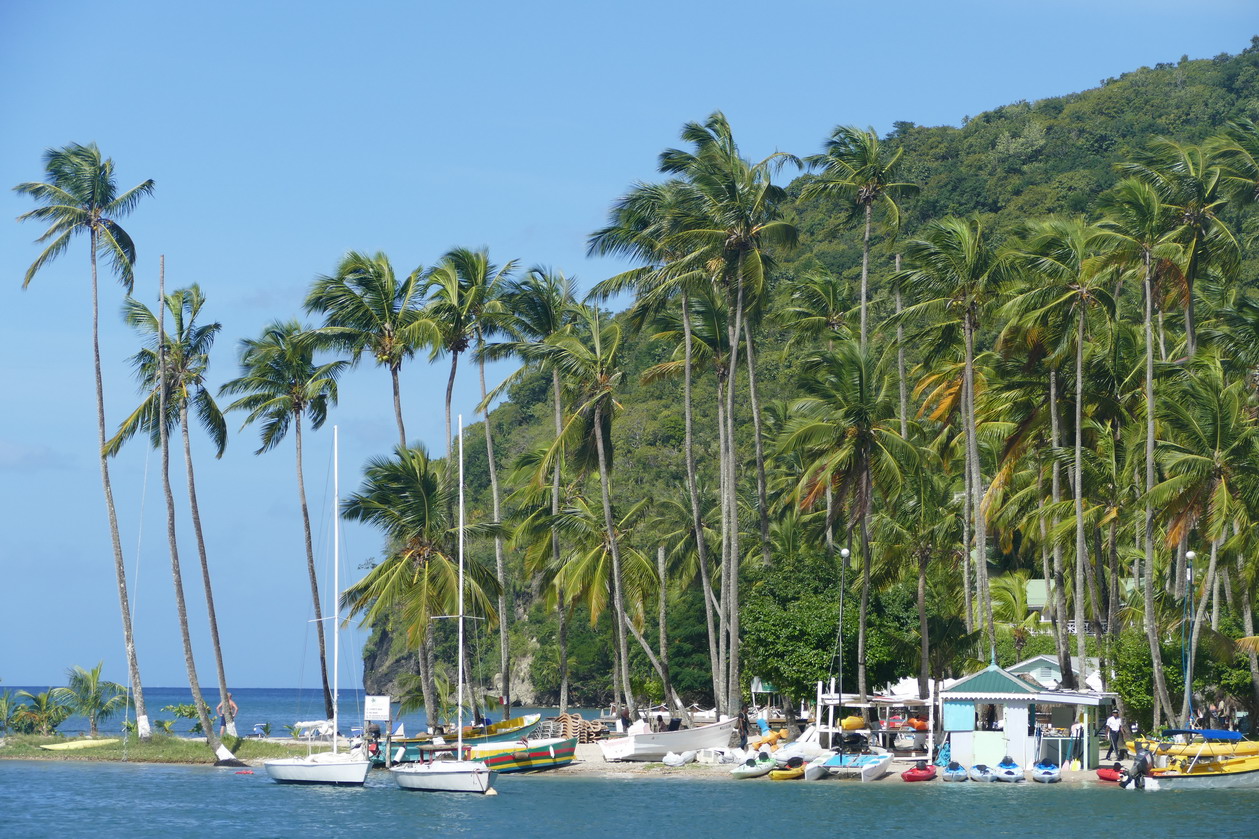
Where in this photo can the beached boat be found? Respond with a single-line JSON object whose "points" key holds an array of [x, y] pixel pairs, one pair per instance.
{"points": [[793, 771], [754, 767], [954, 773], [407, 749], [868, 767], [1047, 772], [1206, 768], [981, 772], [653, 746], [921, 771], [1009, 771], [334, 768], [78, 744], [526, 756], [1111, 774], [447, 771]]}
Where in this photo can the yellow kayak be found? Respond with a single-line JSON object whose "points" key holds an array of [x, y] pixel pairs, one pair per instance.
{"points": [[76, 744], [791, 773]]}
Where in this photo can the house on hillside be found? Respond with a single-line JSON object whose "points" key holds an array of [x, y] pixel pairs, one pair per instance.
{"points": [[1048, 674]]}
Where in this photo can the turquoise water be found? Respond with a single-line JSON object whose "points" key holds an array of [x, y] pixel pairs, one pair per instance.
{"points": [[278, 706], [103, 800]]}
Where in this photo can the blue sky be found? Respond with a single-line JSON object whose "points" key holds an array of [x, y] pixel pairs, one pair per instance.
{"points": [[282, 134]]}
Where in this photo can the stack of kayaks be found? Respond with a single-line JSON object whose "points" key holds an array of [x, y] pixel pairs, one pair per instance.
{"points": [[1047, 772], [794, 770], [754, 767], [921, 771], [1007, 770], [981, 772], [954, 772]]}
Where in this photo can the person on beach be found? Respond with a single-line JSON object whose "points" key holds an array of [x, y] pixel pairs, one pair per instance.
{"points": [[225, 707], [742, 726], [1114, 725], [625, 720]]}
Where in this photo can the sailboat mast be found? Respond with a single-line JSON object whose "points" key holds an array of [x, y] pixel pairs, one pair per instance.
{"points": [[459, 711], [336, 582]]}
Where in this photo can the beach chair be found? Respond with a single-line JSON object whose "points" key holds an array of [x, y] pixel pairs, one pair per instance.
{"points": [[258, 731]]}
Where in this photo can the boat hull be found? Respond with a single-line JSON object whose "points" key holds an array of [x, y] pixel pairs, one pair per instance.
{"points": [[324, 768], [1241, 773], [508, 731], [982, 774], [915, 774], [868, 767], [753, 768], [77, 744], [530, 756], [653, 746], [445, 776]]}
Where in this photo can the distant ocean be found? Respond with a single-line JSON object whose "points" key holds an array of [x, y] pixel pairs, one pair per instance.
{"points": [[278, 706]]}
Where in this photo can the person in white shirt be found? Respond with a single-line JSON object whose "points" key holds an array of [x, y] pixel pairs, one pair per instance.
{"points": [[1114, 725]]}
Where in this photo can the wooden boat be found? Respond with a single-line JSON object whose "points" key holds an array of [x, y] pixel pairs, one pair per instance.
{"points": [[1009, 771], [653, 746], [526, 756], [1047, 772], [921, 771], [77, 744], [754, 767], [954, 773]]}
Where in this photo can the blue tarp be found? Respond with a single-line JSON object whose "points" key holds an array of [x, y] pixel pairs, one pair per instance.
{"points": [[1204, 733]]}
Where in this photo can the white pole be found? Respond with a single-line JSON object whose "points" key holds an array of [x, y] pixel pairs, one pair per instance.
{"points": [[336, 584], [459, 709]]}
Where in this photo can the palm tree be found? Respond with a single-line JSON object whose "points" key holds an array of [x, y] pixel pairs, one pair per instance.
{"points": [[848, 429], [856, 167], [741, 216], [279, 384], [366, 308], [953, 261], [1138, 223], [81, 196], [42, 714], [185, 352], [408, 499], [89, 696]]}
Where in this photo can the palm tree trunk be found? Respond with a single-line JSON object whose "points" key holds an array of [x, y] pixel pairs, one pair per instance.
{"points": [[618, 597], [865, 274], [397, 406], [1161, 693], [500, 570], [733, 690], [143, 729], [662, 619], [900, 363], [924, 651], [1061, 644], [555, 546], [450, 392], [1248, 626], [761, 494], [1081, 546], [977, 485], [181, 607], [865, 591], [310, 568], [723, 623], [205, 568], [692, 487], [967, 600]]}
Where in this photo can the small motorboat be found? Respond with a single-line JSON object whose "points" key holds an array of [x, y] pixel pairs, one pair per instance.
{"points": [[1047, 772], [954, 772], [1111, 774], [675, 759], [981, 772], [754, 767], [793, 771], [920, 771], [1009, 771]]}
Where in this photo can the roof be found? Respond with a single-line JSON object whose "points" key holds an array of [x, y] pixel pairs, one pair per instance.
{"points": [[990, 683]]}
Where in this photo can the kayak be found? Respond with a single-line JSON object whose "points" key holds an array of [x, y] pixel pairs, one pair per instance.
{"points": [[1047, 772], [922, 772], [754, 767], [794, 770], [1110, 774], [954, 772], [1009, 771], [981, 772], [76, 744]]}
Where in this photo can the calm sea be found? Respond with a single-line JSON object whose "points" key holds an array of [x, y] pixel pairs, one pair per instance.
{"points": [[103, 800], [278, 706]]}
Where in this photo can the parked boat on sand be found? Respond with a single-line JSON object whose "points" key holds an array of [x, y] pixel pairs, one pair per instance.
{"points": [[653, 746]]}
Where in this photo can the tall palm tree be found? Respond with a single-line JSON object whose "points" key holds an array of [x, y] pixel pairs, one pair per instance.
{"points": [[954, 265], [184, 354], [81, 196], [848, 428], [856, 167], [742, 216], [279, 384], [367, 308], [1139, 224], [88, 695]]}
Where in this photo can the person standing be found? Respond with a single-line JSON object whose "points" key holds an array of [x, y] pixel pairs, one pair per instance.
{"points": [[742, 725], [225, 707], [1114, 725]]}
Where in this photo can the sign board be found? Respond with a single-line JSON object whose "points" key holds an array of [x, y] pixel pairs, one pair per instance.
{"points": [[376, 708]]}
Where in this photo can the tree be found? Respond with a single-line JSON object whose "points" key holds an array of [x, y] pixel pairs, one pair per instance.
{"points": [[41, 715], [90, 696], [367, 309], [856, 167], [81, 196], [280, 384], [185, 354]]}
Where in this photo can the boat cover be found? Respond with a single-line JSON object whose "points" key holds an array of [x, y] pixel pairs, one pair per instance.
{"points": [[1204, 733]]}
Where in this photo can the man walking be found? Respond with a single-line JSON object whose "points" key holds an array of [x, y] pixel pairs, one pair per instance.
{"points": [[1114, 725]]}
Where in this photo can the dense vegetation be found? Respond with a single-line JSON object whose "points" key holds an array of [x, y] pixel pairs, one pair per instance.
{"points": [[934, 366]]}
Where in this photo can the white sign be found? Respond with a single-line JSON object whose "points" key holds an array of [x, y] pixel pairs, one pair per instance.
{"points": [[376, 708]]}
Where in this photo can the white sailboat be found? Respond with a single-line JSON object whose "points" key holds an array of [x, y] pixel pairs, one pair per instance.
{"points": [[439, 769], [335, 767]]}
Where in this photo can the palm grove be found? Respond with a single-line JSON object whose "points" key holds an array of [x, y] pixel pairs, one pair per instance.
{"points": [[930, 368]]}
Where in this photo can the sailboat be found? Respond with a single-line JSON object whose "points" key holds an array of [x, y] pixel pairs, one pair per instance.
{"points": [[335, 767], [439, 769]]}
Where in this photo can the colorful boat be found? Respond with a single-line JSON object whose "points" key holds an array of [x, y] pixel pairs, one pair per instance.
{"points": [[793, 771], [1110, 774], [921, 771], [526, 756], [407, 750], [1205, 768]]}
